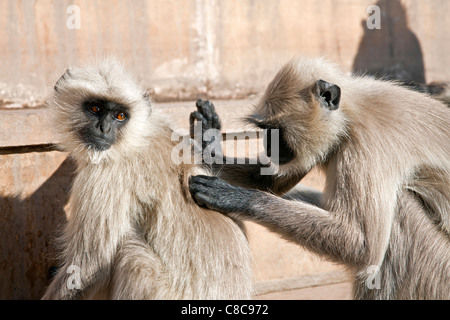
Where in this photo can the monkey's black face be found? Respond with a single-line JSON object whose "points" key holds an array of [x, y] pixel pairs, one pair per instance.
{"points": [[285, 153], [105, 119]]}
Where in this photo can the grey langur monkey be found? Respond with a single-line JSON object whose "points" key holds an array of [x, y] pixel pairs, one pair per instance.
{"points": [[385, 152], [133, 230]]}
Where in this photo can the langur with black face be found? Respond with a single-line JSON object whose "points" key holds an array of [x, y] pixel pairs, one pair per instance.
{"points": [[385, 151], [133, 230]]}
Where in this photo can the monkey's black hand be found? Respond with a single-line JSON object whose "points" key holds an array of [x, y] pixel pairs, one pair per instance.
{"points": [[209, 119], [216, 194], [206, 113]]}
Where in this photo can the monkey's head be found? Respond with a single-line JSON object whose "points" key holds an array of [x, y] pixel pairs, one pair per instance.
{"points": [[304, 103], [99, 110]]}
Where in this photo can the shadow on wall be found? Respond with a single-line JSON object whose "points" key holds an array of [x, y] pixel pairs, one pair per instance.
{"points": [[27, 233], [393, 51]]}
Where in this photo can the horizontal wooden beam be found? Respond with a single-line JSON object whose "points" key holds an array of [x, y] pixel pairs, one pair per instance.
{"points": [[24, 127], [29, 127], [306, 281]]}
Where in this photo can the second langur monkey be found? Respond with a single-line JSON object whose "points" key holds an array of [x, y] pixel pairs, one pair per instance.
{"points": [[385, 151], [133, 230]]}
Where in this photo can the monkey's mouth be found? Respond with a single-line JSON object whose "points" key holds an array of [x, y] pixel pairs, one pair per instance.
{"points": [[96, 143], [277, 149], [275, 144], [100, 145]]}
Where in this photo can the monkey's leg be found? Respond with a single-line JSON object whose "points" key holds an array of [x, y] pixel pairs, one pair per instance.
{"points": [[318, 230], [245, 175], [138, 272], [74, 282]]}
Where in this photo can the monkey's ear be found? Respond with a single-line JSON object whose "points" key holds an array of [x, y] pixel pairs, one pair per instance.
{"points": [[146, 95], [328, 94], [62, 78]]}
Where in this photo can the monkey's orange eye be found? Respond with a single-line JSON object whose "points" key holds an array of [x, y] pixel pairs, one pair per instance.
{"points": [[94, 109], [120, 116]]}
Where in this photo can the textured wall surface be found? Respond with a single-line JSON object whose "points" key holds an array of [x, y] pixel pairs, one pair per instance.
{"points": [[184, 48]]}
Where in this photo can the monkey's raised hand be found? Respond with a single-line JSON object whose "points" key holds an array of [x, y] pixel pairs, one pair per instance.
{"points": [[209, 119], [217, 194]]}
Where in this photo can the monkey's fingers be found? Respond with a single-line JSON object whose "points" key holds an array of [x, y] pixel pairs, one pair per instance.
{"points": [[201, 199], [213, 109], [205, 199], [198, 103], [217, 194], [201, 177], [216, 124], [196, 116], [204, 107], [205, 182], [210, 106], [215, 119], [199, 193], [207, 110]]}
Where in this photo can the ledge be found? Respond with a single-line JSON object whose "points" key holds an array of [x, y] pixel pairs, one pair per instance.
{"points": [[306, 281], [29, 127]]}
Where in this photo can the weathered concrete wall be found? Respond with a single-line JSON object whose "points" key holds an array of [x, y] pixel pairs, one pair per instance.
{"points": [[33, 191], [226, 49]]}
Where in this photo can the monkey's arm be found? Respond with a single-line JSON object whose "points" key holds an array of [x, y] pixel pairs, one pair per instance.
{"points": [[316, 229], [306, 194], [249, 176], [90, 241], [237, 171]]}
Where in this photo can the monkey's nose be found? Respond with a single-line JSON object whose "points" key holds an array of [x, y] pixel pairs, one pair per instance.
{"points": [[105, 126]]}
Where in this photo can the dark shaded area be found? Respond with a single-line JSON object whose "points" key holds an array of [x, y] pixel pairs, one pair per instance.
{"points": [[392, 52], [28, 228]]}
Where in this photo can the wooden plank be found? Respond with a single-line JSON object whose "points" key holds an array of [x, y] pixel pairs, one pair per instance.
{"points": [[334, 291], [28, 127], [23, 127], [306, 281]]}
